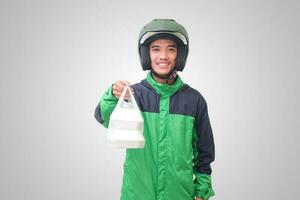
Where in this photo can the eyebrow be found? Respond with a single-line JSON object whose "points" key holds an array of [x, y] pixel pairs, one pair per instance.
{"points": [[172, 45]]}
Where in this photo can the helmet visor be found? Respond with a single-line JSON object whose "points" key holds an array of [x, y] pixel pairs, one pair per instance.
{"points": [[150, 34]]}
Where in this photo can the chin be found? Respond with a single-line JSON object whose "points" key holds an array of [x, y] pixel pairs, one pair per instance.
{"points": [[163, 71]]}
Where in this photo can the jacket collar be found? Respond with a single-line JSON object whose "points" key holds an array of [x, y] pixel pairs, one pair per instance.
{"points": [[163, 88]]}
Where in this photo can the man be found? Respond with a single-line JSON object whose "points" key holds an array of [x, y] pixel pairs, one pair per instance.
{"points": [[179, 145]]}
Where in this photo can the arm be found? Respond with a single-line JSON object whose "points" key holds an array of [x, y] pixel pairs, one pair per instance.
{"points": [[204, 153], [105, 107], [109, 101]]}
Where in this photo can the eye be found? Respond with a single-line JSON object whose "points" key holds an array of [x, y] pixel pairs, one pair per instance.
{"points": [[172, 49], [155, 49]]}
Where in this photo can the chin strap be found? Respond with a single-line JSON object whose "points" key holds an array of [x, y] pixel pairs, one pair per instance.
{"points": [[168, 77]]}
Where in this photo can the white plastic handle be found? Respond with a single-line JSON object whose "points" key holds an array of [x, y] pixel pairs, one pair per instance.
{"points": [[123, 95]]}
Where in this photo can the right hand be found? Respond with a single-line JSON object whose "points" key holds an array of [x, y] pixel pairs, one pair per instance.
{"points": [[118, 88]]}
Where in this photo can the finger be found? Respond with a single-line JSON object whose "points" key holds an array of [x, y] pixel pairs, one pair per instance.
{"points": [[118, 94], [118, 85], [118, 88], [115, 86], [131, 90], [115, 91], [125, 83]]}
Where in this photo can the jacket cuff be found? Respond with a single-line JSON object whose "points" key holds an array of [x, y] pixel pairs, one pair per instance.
{"points": [[203, 186], [107, 105]]}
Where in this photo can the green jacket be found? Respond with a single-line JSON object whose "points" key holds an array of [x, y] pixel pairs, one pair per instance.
{"points": [[179, 145]]}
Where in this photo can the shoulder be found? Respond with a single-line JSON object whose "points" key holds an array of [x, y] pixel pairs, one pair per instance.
{"points": [[187, 101], [191, 93]]}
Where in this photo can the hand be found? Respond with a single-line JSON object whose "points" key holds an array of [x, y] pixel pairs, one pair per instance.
{"points": [[118, 88], [198, 198]]}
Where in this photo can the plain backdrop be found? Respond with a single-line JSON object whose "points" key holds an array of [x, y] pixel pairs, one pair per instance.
{"points": [[58, 57]]}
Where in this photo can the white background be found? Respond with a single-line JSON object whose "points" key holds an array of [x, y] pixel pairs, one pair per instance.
{"points": [[58, 57]]}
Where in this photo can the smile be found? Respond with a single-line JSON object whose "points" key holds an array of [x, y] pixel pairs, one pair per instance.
{"points": [[162, 64]]}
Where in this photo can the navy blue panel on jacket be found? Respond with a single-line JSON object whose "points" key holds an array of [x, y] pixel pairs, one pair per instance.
{"points": [[97, 114], [205, 144], [185, 101], [190, 102], [146, 98]]}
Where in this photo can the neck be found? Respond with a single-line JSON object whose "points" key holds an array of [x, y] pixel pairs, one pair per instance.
{"points": [[170, 81]]}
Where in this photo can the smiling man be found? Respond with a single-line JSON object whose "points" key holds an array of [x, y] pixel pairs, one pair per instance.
{"points": [[179, 144], [163, 54]]}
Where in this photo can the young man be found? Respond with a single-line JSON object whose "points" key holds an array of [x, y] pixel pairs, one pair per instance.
{"points": [[179, 145]]}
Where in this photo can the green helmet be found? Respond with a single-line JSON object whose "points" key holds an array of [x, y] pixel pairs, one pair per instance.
{"points": [[163, 29]]}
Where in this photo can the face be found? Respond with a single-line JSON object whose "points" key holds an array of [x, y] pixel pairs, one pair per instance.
{"points": [[163, 54]]}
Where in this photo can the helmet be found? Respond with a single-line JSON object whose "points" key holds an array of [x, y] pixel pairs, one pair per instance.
{"points": [[163, 29]]}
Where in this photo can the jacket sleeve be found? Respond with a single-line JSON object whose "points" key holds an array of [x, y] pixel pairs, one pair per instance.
{"points": [[105, 107], [204, 153]]}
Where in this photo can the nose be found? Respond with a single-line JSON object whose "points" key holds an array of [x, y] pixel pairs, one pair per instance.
{"points": [[163, 55]]}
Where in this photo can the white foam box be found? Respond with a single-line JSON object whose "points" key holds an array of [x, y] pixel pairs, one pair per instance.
{"points": [[121, 138]]}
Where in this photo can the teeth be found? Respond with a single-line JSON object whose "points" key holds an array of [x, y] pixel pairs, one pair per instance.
{"points": [[162, 64]]}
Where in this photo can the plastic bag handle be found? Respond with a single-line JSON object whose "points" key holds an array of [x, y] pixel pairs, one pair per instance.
{"points": [[123, 95]]}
